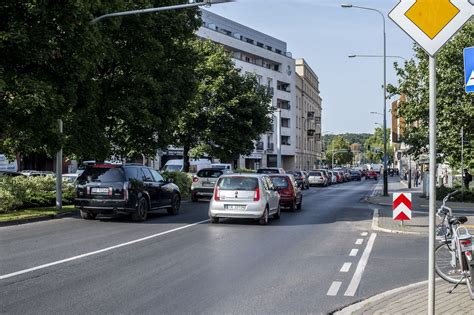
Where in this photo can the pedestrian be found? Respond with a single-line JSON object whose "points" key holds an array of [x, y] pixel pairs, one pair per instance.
{"points": [[417, 177], [467, 178]]}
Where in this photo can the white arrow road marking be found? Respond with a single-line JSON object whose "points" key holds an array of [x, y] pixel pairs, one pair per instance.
{"points": [[54, 263], [334, 288], [354, 284], [346, 267]]}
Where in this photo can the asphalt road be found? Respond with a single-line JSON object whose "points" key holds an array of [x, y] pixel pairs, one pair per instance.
{"points": [[167, 266]]}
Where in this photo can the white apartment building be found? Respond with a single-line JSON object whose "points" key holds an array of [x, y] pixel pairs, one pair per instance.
{"points": [[268, 58], [308, 117]]}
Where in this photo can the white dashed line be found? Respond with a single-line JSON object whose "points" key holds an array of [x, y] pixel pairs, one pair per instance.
{"points": [[354, 284], [364, 234], [359, 241], [346, 267], [58, 262], [334, 288], [354, 252]]}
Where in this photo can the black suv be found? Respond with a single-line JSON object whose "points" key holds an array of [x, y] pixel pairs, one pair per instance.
{"points": [[130, 189]]}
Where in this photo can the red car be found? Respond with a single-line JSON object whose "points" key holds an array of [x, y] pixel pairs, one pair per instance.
{"points": [[290, 194], [371, 175]]}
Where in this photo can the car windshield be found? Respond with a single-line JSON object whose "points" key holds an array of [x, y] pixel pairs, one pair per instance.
{"points": [[209, 173], [280, 181], [238, 183], [101, 175], [172, 168]]}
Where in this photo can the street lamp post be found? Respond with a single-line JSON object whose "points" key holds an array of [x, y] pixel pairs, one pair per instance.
{"points": [[385, 178]]}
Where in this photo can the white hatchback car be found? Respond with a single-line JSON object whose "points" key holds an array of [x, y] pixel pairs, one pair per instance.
{"points": [[204, 182], [245, 196], [316, 178]]}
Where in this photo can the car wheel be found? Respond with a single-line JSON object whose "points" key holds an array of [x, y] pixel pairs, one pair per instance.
{"points": [[87, 215], [293, 206], [277, 215], [141, 212], [298, 206], [264, 219], [175, 204], [214, 220]]}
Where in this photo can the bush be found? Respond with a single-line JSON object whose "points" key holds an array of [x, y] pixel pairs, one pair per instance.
{"points": [[467, 196], [182, 180], [24, 192]]}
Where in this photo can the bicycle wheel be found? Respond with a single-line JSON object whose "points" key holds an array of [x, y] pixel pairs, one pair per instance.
{"points": [[470, 280], [443, 257]]}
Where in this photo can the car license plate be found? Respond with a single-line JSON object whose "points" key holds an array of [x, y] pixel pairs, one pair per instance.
{"points": [[207, 184], [100, 190], [234, 207]]}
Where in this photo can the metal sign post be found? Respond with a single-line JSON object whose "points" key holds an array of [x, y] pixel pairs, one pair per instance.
{"points": [[432, 24]]}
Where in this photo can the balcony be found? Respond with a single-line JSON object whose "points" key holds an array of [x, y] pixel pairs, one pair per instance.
{"points": [[283, 86], [259, 146], [282, 104]]}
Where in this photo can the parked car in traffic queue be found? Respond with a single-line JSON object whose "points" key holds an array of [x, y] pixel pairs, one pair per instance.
{"points": [[316, 178], [251, 196], [355, 175], [130, 189], [301, 178], [371, 175], [290, 195]]}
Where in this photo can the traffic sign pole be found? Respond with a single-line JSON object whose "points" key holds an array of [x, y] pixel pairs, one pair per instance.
{"points": [[432, 200]]}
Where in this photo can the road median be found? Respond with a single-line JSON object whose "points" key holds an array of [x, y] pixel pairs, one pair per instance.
{"points": [[35, 214]]}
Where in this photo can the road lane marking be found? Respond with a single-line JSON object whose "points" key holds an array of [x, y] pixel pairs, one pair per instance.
{"points": [[364, 234], [346, 267], [359, 241], [354, 252], [58, 262], [354, 284], [334, 288]]}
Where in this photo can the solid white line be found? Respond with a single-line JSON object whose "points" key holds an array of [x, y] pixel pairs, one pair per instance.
{"points": [[54, 263], [364, 234], [334, 288], [354, 284], [359, 241], [346, 267], [354, 252]]}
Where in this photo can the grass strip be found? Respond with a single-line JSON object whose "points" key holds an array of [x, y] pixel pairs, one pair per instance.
{"points": [[31, 213]]}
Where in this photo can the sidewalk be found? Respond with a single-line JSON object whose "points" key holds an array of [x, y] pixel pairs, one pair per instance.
{"points": [[412, 299]]}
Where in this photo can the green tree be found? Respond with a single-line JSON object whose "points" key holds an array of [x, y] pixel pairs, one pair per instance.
{"points": [[117, 85], [455, 108], [338, 143], [228, 112], [373, 146]]}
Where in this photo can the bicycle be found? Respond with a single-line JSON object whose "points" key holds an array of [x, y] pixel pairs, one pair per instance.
{"points": [[453, 256]]}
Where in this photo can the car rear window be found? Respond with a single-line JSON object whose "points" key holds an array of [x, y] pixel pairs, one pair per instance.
{"points": [[267, 171], [314, 173], [209, 173], [101, 175], [280, 181], [238, 183]]}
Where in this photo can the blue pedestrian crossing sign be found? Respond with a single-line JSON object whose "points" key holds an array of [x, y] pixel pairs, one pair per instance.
{"points": [[469, 69]]}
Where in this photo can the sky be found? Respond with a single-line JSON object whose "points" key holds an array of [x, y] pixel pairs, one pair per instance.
{"points": [[324, 34]]}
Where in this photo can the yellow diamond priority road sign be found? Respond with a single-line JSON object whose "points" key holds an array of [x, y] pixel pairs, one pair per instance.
{"points": [[431, 23]]}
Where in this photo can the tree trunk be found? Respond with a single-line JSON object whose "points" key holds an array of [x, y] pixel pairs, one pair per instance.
{"points": [[186, 158]]}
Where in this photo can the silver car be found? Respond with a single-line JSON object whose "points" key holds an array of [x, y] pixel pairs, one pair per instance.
{"points": [[317, 178], [204, 182], [245, 196]]}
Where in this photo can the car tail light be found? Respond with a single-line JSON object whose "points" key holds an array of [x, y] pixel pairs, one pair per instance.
{"points": [[465, 242], [217, 191], [126, 186], [88, 190], [110, 191], [195, 179], [256, 196], [321, 177]]}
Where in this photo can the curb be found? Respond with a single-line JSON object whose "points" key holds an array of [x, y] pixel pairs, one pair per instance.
{"points": [[376, 227], [41, 218], [357, 306]]}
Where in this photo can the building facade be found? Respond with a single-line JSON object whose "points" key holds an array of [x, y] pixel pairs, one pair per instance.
{"points": [[267, 58], [308, 117]]}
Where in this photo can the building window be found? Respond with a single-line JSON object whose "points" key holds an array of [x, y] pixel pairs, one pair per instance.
{"points": [[285, 122], [269, 48], [259, 44], [278, 51], [285, 140]]}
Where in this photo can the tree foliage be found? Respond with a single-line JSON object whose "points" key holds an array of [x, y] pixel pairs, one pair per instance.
{"points": [[117, 85], [374, 147], [455, 108], [339, 143], [228, 112]]}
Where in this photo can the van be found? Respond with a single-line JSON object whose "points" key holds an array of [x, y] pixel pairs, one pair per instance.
{"points": [[195, 165], [222, 166]]}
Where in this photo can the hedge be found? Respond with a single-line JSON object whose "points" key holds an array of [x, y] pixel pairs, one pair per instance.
{"points": [[466, 196], [24, 192], [182, 180]]}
